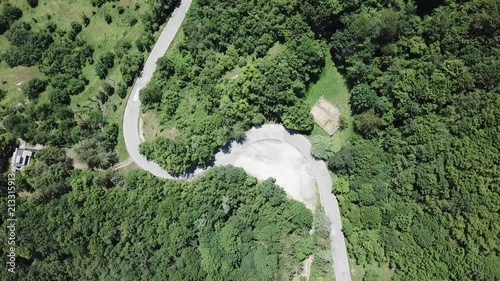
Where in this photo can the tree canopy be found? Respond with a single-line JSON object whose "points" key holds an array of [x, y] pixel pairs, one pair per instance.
{"points": [[223, 226], [422, 190]]}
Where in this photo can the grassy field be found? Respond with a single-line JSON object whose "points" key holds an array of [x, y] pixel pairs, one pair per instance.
{"points": [[331, 84], [359, 271]]}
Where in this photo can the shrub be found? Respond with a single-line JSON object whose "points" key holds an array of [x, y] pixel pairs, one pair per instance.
{"points": [[108, 18], [33, 3], [321, 147]]}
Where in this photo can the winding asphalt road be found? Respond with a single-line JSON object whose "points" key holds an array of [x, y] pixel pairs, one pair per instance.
{"points": [[267, 132]]}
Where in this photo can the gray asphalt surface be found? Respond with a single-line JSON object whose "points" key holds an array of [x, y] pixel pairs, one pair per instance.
{"points": [[267, 132], [132, 110]]}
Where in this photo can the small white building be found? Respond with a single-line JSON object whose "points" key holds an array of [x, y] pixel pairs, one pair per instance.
{"points": [[21, 158]]}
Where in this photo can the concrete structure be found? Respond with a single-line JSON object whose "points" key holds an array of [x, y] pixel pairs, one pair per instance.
{"points": [[21, 158], [326, 115]]}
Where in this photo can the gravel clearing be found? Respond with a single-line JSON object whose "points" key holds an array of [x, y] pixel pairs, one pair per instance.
{"points": [[277, 159]]}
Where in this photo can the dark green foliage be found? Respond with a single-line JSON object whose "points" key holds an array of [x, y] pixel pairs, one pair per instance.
{"points": [[95, 154], [121, 91], [7, 146], [76, 27], [27, 46], [122, 48], [165, 67], [33, 88], [61, 55], [100, 139], [8, 14], [108, 60], [108, 18], [17, 124], [101, 70], [86, 20], [298, 118], [253, 66], [173, 151], [145, 42], [151, 95], [422, 192], [221, 226], [59, 97], [368, 123], [47, 123], [108, 89], [363, 98]]}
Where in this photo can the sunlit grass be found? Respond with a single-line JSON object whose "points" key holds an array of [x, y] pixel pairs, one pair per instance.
{"points": [[331, 84]]}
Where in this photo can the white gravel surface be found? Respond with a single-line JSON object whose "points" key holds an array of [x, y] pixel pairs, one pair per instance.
{"points": [[275, 159]]}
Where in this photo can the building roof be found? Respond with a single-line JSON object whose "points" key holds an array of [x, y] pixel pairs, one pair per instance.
{"points": [[21, 158]]}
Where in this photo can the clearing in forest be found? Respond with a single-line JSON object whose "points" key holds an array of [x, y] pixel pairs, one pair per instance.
{"points": [[326, 115]]}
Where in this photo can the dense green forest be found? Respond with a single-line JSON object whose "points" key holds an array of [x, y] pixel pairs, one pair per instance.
{"points": [[419, 186], [224, 225], [419, 183], [239, 64]]}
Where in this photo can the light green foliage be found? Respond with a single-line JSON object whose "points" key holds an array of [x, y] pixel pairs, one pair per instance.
{"points": [[57, 53], [213, 88], [422, 191], [321, 147], [341, 185]]}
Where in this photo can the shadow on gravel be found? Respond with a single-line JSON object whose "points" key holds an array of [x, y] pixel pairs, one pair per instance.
{"points": [[293, 132], [226, 149]]}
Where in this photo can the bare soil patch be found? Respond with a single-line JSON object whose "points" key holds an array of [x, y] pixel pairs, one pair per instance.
{"points": [[326, 115]]}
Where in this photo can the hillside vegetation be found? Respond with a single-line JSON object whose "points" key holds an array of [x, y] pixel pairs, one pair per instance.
{"points": [[416, 173], [419, 185], [223, 226], [65, 67], [239, 64]]}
